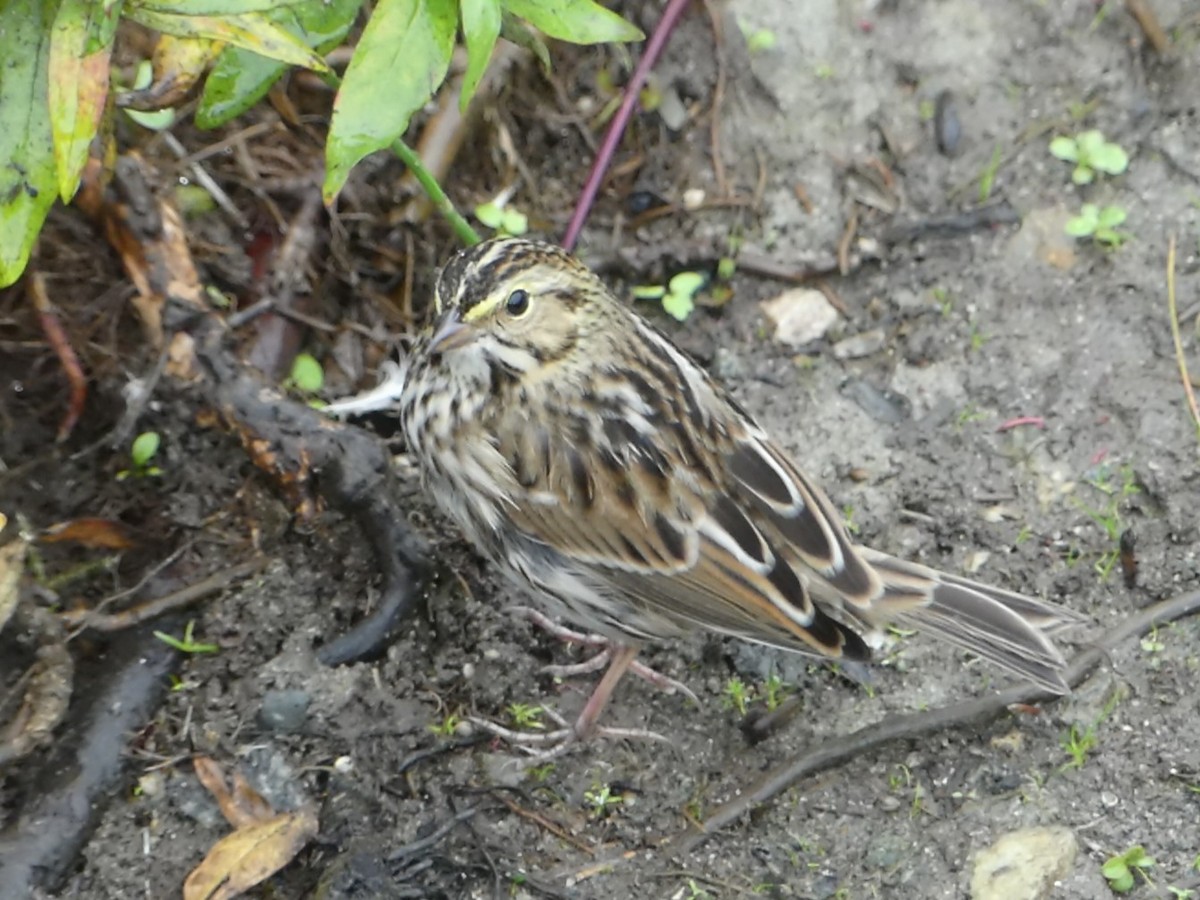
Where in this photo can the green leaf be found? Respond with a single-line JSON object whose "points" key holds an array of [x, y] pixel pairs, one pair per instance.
{"points": [[489, 214], [307, 374], [575, 21], [515, 222], [1110, 158], [481, 28], [687, 283], [1083, 174], [1085, 223], [144, 446], [1088, 143], [401, 59], [158, 120], [649, 291], [1064, 148], [1111, 216], [80, 46], [678, 305], [513, 29], [253, 31], [207, 7], [27, 171], [241, 77]]}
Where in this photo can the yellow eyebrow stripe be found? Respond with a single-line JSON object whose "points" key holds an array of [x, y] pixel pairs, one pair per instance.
{"points": [[482, 310]]}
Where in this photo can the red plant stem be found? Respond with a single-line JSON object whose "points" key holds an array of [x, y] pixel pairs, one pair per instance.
{"points": [[616, 128]]}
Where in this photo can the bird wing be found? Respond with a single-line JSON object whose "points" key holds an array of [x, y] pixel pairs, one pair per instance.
{"points": [[696, 543]]}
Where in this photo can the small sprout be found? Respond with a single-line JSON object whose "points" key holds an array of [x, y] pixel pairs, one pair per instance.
{"points": [[448, 727], [678, 296], [525, 716], [726, 266], [757, 39], [1078, 744], [1120, 869], [1098, 223], [542, 772], [600, 799], [307, 375], [988, 177], [736, 695], [774, 691], [141, 451], [1181, 893], [848, 518], [1091, 153], [823, 71], [501, 218], [187, 644]]}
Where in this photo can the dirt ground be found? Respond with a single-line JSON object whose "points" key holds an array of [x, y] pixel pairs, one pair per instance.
{"points": [[946, 335]]}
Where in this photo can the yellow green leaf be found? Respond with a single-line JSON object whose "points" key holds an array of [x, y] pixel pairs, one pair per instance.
{"points": [[27, 171], [253, 31], [80, 46]]}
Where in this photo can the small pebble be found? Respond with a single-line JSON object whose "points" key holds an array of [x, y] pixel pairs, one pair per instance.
{"points": [[947, 128], [284, 711]]}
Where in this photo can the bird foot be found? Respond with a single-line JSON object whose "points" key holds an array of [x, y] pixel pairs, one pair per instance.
{"points": [[664, 683], [547, 745]]}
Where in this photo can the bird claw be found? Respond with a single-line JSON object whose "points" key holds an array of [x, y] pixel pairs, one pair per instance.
{"points": [[547, 745], [664, 683]]}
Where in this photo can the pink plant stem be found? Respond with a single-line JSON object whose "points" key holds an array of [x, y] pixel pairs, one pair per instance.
{"points": [[616, 128]]}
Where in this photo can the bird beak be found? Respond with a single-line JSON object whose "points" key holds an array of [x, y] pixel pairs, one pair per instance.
{"points": [[451, 332]]}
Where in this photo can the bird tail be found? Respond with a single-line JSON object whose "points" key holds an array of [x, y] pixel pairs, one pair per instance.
{"points": [[1006, 628]]}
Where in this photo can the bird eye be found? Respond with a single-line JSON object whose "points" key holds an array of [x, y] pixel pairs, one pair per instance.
{"points": [[517, 303]]}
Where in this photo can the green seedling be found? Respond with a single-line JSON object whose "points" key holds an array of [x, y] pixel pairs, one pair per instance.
{"points": [[848, 519], [1121, 869], [737, 695], [186, 644], [307, 376], [987, 178], [600, 800], [448, 727], [1181, 893], [678, 296], [504, 220], [1078, 744], [757, 39], [525, 716], [141, 452], [774, 692], [1091, 153], [1098, 223]]}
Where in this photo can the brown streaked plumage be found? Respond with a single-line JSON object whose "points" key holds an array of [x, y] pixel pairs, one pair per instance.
{"points": [[592, 461]]}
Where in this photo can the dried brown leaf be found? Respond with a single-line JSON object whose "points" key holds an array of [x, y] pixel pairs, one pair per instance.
{"points": [[250, 855]]}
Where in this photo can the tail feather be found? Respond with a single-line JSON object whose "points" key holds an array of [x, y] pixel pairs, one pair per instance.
{"points": [[1009, 629]]}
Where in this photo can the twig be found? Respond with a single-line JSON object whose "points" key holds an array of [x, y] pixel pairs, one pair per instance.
{"points": [[1148, 21], [174, 600], [546, 822], [67, 358], [907, 727], [206, 181], [616, 127], [1174, 315]]}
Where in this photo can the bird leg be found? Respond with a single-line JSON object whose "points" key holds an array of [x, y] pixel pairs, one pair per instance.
{"points": [[664, 683], [548, 745]]}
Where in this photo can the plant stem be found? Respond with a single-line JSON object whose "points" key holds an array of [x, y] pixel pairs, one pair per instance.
{"points": [[462, 228], [410, 158], [1178, 339], [616, 128]]}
